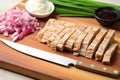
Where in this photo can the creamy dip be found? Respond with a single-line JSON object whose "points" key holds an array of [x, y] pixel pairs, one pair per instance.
{"points": [[38, 6]]}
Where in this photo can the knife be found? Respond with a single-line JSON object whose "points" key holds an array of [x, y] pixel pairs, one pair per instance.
{"points": [[61, 60]]}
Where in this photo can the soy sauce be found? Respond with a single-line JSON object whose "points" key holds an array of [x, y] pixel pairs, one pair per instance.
{"points": [[107, 14]]}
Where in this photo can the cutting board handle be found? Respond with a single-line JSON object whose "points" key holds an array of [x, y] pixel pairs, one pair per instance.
{"points": [[107, 71]]}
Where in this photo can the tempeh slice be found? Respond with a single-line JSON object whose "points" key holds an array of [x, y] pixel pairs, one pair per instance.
{"points": [[60, 35], [51, 29], [103, 46], [88, 39], [42, 31], [54, 34], [108, 54], [58, 22], [79, 40], [95, 44], [62, 41], [47, 34], [50, 22], [40, 34], [70, 42], [70, 24]]}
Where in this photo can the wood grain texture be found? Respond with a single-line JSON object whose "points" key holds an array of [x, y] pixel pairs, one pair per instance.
{"points": [[43, 70]]}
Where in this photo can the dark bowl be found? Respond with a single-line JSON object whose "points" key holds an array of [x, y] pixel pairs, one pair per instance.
{"points": [[107, 16]]}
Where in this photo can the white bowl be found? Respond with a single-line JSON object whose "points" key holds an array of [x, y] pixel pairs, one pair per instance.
{"points": [[41, 15]]}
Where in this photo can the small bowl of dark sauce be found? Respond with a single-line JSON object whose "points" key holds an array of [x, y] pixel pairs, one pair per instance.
{"points": [[107, 16]]}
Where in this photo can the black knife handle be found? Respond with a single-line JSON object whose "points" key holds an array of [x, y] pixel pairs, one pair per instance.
{"points": [[103, 70]]}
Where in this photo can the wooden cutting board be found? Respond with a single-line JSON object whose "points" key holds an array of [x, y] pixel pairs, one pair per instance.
{"points": [[39, 69]]}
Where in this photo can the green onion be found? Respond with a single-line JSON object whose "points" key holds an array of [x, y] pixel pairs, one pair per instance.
{"points": [[75, 15], [83, 8]]}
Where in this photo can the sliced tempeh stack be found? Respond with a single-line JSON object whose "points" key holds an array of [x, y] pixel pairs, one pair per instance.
{"points": [[78, 42], [82, 40], [70, 42], [89, 37], [108, 54], [95, 44], [103, 46]]}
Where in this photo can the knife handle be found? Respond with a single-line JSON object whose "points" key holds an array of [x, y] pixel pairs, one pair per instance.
{"points": [[107, 71]]}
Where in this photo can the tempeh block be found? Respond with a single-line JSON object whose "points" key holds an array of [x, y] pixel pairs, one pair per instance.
{"points": [[95, 44], [108, 54], [103, 46]]}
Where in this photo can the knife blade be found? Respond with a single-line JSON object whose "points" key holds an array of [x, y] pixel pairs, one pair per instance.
{"points": [[61, 60]]}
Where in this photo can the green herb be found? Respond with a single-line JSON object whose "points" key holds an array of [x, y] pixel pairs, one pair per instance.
{"points": [[84, 8]]}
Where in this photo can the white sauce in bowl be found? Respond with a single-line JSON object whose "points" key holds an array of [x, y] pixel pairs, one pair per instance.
{"points": [[38, 6]]}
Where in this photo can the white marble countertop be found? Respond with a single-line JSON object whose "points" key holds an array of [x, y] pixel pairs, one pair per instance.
{"points": [[6, 5]]}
